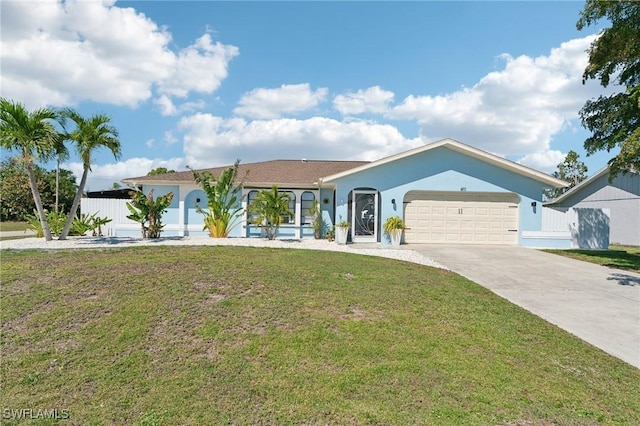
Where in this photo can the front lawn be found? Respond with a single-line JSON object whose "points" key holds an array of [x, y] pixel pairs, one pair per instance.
{"points": [[231, 335], [13, 226], [621, 257]]}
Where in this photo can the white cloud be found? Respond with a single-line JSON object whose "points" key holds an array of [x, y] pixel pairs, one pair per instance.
{"points": [[111, 54], [374, 99], [546, 161], [169, 138], [264, 103], [200, 67], [103, 176], [211, 140], [168, 108], [149, 143], [515, 111]]}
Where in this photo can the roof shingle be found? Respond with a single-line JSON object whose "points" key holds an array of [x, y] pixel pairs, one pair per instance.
{"points": [[274, 172]]}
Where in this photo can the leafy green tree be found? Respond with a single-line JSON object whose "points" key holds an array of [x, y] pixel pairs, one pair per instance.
{"points": [[148, 211], [224, 210], [16, 200], [34, 134], [159, 171], [571, 170], [269, 209], [614, 56], [89, 135], [67, 188]]}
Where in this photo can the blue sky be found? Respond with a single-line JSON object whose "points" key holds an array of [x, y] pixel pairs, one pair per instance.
{"points": [[202, 83]]}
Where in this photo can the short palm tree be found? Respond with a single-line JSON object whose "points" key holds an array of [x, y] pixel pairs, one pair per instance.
{"points": [[89, 134], [34, 134], [268, 210], [223, 212]]}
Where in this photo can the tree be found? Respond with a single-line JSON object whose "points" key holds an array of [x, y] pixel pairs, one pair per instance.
{"points": [[15, 193], [571, 170], [224, 211], [34, 134], [269, 208], [615, 54], [159, 171], [88, 135], [148, 211]]}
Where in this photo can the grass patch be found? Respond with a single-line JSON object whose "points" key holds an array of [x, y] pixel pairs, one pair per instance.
{"points": [[620, 257], [13, 226], [15, 238], [239, 335]]}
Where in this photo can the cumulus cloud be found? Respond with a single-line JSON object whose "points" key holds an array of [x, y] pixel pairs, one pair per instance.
{"points": [[103, 176], [211, 140], [515, 111], [374, 100], [264, 103], [60, 53], [546, 161], [167, 107]]}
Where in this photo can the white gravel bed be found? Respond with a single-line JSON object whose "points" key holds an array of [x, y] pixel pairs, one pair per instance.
{"points": [[373, 249]]}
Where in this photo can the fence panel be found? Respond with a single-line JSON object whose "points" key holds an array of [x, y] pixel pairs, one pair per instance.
{"points": [[114, 209]]}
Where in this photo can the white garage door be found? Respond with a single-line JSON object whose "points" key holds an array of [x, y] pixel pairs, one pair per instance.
{"points": [[461, 217]]}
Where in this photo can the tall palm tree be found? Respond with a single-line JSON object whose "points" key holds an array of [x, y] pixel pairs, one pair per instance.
{"points": [[34, 134], [89, 134]]}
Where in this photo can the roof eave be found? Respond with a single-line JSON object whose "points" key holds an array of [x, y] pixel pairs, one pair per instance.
{"points": [[579, 186], [464, 149]]}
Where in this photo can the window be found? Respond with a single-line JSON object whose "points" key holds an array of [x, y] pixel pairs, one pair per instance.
{"points": [[253, 194], [306, 202], [292, 207]]}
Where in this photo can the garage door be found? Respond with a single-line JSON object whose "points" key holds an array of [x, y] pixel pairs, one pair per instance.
{"points": [[461, 217]]}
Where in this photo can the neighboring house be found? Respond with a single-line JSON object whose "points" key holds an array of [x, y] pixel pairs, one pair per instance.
{"points": [[621, 198], [447, 192]]}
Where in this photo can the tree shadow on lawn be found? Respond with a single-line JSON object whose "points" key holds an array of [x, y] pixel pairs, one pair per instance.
{"points": [[620, 259]]}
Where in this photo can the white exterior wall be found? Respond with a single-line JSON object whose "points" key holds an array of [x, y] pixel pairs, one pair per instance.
{"points": [[621, 197], [583, 228]]}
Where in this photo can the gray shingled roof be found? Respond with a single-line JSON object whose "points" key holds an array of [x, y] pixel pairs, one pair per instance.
{"points": [[281, 172]]}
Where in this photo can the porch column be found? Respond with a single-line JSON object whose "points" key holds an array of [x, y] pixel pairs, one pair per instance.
{"points": [[298, 220]]}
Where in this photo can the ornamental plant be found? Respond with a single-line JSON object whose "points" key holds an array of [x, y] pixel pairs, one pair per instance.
{"points": [[268, 210], [223, 208], [148, 211]]}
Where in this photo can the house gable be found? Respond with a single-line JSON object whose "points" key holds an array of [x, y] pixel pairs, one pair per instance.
{"points": [[463, 149], [597, 188]]}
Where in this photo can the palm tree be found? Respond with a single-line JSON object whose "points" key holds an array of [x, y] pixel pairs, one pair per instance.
{"points": [[35, 135], [89, 135], [268, 210]]}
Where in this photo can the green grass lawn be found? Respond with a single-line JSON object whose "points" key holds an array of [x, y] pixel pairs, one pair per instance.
{"points": [[621, 257], [231, 335], [13, 226]]}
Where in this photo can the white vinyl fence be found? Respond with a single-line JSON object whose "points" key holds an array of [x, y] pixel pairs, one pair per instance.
{"points": [[114, 209]]}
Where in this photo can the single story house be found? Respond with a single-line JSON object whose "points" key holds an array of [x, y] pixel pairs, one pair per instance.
{"points": [[621, 197], [446, 192]]}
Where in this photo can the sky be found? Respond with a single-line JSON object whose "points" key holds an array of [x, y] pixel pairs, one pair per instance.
{"points": [[202, 83]]}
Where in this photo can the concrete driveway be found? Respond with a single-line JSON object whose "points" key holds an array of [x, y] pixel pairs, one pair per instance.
{"points": [[600, 305]]}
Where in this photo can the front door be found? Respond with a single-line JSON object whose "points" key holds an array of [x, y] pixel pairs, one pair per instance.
{"points": [[364, 219]]}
